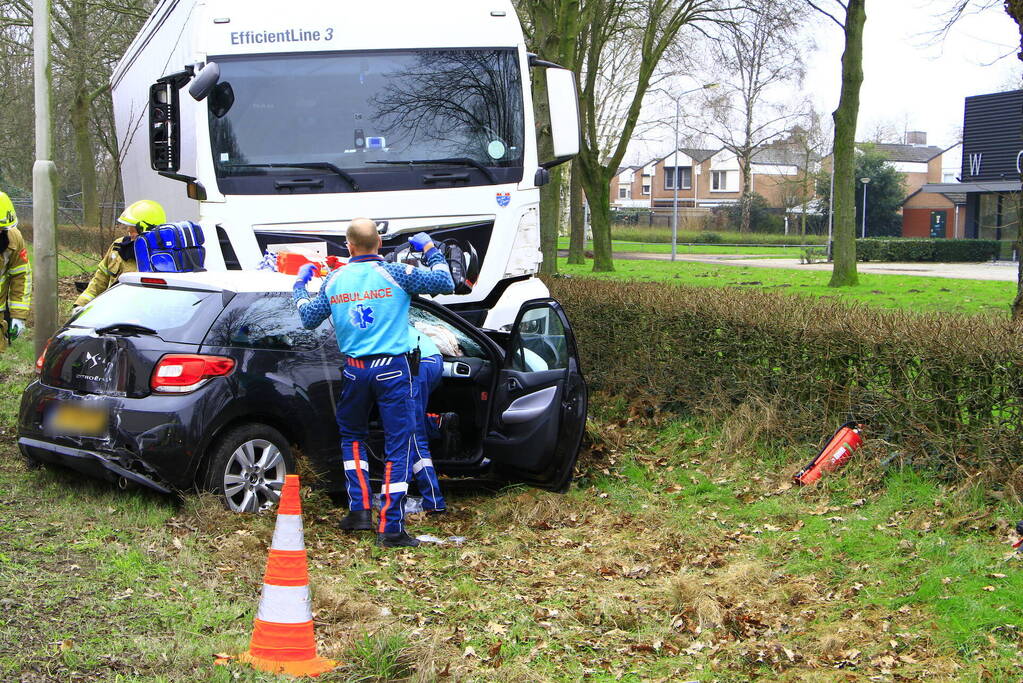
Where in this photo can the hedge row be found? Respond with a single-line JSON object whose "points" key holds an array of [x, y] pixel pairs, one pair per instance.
{"points": [[936, 250], [947, 389]]}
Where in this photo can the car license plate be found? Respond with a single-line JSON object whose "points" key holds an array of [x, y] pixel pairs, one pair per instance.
{"points": [[76, 419]]}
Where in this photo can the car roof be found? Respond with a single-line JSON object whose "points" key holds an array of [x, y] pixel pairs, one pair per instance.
{"points": [[221, 281]]}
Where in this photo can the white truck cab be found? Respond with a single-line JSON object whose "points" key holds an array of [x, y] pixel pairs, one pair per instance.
{"points": [[276, 123]]}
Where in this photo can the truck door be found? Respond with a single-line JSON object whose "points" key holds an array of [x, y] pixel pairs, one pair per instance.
{"points": [[539, 404]]}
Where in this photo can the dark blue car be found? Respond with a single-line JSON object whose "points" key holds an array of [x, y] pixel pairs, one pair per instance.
{"points": [[209, 381]]}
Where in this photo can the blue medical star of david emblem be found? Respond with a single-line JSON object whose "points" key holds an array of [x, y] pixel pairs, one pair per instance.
{"points": [[362, 317]]}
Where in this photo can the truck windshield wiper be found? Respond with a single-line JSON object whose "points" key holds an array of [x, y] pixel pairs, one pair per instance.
{"points": [[450, 161], [126, 329], [325, 165]]}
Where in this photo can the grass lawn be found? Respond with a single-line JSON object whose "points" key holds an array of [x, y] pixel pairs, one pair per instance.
{"points": [[622, 247], [913, 292], [670, 559]]}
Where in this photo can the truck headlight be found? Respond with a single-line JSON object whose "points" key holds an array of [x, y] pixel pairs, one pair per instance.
{"points": [[525, 255]]}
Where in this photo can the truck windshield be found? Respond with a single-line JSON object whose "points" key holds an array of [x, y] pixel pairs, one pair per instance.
{"points": [[365, 113]]}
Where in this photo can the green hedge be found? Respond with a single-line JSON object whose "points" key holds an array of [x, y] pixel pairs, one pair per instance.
{"points": [[936, 250], [663, 235], [946, 389]]}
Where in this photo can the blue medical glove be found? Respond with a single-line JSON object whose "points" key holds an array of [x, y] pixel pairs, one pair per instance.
{"points": [[305, 274], [421, 242]]}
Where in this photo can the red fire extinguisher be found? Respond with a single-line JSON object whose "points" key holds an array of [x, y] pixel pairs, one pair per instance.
{"points": [[835, 454]]}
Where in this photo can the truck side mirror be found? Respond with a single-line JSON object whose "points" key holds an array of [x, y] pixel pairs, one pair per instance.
{"points": [[164, 116], [205, 81], [564, 108]]}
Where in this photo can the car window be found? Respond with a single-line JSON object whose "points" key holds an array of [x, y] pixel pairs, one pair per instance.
{"points": [[266, 321], [468, 346], [178, 315], [539, 342]]}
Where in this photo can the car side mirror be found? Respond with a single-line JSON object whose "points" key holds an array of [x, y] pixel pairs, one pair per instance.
{"points": [[563, 102], [204, 82]]}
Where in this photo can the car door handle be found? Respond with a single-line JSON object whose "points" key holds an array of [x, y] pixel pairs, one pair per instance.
{"points": [[529, 407]]}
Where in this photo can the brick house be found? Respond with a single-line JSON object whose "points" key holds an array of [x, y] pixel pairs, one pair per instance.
{"points": [[712, 177], [632, 186], [925, 214]]}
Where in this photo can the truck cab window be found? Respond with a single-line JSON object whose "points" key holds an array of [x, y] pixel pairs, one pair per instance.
{"points": [[368, 115]]}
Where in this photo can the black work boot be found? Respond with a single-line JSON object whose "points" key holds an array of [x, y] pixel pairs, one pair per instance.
{"points": [[357, 520], [396, 539]]}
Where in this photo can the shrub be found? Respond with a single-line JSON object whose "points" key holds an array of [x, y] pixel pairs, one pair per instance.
{"points": [[934, 250], [947, 389], [763, 218]]}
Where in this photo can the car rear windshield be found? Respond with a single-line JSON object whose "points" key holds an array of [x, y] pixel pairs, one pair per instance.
{"points": [[177, 315]]}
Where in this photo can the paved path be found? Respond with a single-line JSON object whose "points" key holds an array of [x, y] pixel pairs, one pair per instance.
{"points": [[1001, 271]]}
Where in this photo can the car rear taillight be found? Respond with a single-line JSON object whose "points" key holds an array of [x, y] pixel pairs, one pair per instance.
{"points": [[180, 373], [158, 281], [42, 358]]}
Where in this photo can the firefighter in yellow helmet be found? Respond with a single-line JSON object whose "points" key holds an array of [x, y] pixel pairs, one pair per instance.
{"points": [[15, 274], [120, 257]]}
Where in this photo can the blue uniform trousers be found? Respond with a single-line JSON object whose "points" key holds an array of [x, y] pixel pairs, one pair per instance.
{"points": [[387, 381], [431, 369]]}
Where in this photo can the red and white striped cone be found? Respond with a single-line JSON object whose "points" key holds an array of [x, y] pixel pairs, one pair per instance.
{"points": [[282, 639]]}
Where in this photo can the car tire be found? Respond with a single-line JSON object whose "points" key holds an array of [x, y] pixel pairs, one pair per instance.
{"points": [[247, 466]]}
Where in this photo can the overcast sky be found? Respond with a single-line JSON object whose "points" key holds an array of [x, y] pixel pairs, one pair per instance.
{"points": [[912, 79], [908, 81]]}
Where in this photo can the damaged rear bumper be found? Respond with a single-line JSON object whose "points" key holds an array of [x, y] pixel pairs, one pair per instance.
{"points": [[87, 462]]}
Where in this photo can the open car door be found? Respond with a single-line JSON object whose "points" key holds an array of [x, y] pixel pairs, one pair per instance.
{"points": [[539, 405]]}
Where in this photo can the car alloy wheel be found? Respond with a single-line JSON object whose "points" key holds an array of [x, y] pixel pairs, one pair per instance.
{"points": [[253, 476]]}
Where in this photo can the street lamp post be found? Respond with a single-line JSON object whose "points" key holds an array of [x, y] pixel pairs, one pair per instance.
{"points": [[674, 156], [865, 182]]}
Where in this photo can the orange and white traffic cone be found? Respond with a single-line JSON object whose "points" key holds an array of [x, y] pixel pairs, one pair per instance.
{"points": [[282, 639]]}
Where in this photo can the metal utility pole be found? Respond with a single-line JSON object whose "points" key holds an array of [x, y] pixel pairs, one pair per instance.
{"points": [[674, 204], [44, 185], [674, 213], [865, 182]]}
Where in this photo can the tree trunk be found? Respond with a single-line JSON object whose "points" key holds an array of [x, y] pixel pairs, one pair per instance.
{"points": [[85, 156], [1015, 10], [550, 221], [550, 194], [843, 273], [600, 224], [746, 198], [577, 239], [596, 181], [1017, 303]]}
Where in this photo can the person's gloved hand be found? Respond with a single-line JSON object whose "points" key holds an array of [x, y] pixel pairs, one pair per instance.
{"points": [[421, 242], [305, 274], [76, 310], [17, 327]]}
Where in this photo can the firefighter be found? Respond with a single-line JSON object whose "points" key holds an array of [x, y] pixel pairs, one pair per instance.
{"points": [[369, 302], [16, 277], [120, 257]]}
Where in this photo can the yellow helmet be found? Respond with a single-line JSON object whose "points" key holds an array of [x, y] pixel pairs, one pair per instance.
{"points": [[143, 214], [8, 216]]}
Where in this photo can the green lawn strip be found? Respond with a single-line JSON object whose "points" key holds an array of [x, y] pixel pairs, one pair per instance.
{"points": [[914, 292], [624, 247]]}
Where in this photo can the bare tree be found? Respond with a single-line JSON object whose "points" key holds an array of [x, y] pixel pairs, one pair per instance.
{"points": [[551, 28], [850, 16], [760, 49], [653, 26], [88, 37]]}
